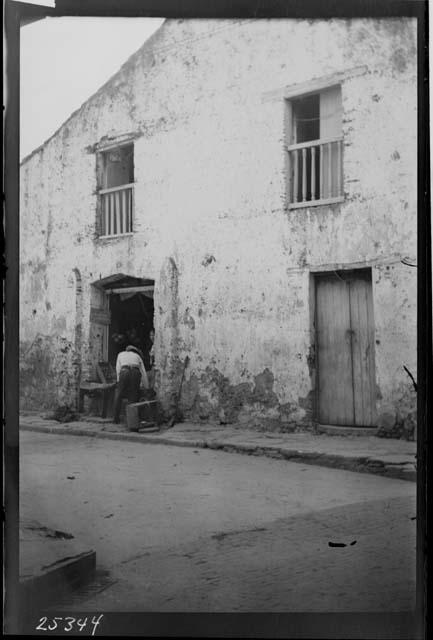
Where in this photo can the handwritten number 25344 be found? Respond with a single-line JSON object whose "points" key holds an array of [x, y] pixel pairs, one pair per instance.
{"points": [[45, 624]]}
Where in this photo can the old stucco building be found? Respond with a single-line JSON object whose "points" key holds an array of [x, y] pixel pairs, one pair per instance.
{"points": [[248, 188]]}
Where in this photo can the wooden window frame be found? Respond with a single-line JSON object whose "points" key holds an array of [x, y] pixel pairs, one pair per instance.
{"points": [[297, 154], [120, 219]]}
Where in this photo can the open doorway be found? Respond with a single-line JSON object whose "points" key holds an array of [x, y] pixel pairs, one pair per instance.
{"points": [[125, 305], [132, 315]]}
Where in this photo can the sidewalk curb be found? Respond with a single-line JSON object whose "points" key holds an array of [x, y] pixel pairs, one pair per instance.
{"points": [[46, 586], [355, 463]]}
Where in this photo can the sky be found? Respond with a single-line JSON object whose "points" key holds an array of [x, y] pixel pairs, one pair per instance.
{"points": [[64, 61]]}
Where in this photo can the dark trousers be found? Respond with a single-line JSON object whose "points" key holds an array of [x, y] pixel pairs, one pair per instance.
{"points": [[127, 387]]}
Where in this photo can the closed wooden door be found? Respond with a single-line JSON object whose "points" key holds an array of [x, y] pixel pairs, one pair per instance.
{"points": [[345, 349]]}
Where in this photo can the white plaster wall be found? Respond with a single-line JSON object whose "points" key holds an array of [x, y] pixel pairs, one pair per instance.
{"points": [[210, 181]]}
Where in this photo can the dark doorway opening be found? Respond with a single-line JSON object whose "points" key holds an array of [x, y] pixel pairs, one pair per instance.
{"points": [[131, 314], [131, 323]]}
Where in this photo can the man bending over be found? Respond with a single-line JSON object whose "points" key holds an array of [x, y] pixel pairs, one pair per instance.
{"points": [[131, 375]]}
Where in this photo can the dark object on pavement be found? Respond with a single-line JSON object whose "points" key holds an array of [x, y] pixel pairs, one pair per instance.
{"points": [[50, 533], [337, 544], [177, 415], [145, 424], [148, 427], [63, 414], [352, 543], [141, 413]]}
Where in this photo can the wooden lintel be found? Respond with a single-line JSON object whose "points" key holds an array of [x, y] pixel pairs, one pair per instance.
{"points": [[314, 85], [138, 289]]}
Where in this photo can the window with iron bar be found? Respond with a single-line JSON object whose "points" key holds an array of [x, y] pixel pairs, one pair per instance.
{"points": [[116, 190], [315, 149]]}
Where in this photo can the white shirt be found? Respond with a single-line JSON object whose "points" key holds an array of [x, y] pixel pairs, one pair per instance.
{"points": [[132, 359]]}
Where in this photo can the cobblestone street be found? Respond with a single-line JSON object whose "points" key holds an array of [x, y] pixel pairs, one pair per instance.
{"points": [[179, 529]]}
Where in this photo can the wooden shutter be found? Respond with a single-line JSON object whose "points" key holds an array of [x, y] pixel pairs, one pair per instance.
{"points": [[330, 112], [331, 127]]}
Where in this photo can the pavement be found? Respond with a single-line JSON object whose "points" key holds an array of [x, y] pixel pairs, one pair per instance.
{"points": [[58, 562], [182, 528], [369, 454]]}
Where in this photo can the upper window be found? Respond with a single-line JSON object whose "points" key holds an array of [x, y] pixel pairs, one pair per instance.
{"points": [[315, 149], [116, 182]]}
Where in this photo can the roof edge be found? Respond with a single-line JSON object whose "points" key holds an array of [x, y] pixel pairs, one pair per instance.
{"points": [[148, 44]]}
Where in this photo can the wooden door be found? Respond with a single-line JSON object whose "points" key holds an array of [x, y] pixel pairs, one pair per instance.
{"points": [[345, 349], [100, 319]]}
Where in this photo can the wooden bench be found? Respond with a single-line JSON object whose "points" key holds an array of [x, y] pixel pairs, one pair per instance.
{"points": [[104, 388]]}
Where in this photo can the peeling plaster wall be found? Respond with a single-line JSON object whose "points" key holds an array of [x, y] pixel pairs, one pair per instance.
{"points": [[232, 265]]}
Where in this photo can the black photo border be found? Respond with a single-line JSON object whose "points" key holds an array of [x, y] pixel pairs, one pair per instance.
{"points": [[215, 625]]}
